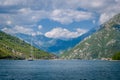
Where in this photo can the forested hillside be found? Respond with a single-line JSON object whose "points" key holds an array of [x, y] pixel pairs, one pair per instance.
{"points": [[14, 48]]}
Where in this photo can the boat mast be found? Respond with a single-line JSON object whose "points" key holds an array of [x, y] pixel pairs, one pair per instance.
{"points": [[31, 51]]}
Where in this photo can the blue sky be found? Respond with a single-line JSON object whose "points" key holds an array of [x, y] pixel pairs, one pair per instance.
{"points": [[55, 18]]}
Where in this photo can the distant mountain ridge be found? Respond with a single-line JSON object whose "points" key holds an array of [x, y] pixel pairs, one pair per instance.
{"points": [[14, 48], [54, 45], [102, 44]]}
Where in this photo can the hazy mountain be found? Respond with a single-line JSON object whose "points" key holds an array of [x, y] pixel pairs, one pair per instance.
{"points": [[14, 48], [102, 44], [53, 45]]}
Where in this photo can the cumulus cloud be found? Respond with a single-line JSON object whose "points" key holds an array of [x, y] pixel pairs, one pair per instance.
{"points": [[9, 22], [18, 29], [62, 33], [21, 29], [30, 12], [39, 27], [109, 13], [104, 17], [26, 16], [68, 16]]}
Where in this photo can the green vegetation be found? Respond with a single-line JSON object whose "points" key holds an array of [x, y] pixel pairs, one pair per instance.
{"points": [[116, 56], [14, 48], [102, 44]]}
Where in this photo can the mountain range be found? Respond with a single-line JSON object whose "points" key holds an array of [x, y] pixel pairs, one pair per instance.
{"points": [[99, 42], [52, 45], [104, 43], [15, 48]]}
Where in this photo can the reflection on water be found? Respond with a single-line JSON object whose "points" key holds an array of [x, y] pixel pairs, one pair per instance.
{"points": [[59, 70]]}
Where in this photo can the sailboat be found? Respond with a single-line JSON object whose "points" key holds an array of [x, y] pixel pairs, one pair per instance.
{"points": [[30, 59], [31, 51]]}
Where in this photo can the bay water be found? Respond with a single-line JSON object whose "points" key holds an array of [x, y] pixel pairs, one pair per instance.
{"points": [[59, 70]]}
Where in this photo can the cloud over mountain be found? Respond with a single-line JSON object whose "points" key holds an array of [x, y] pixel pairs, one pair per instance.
{"points": [[62, 33], [31, 12]]}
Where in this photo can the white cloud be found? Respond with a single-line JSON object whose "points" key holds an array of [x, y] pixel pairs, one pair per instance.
{"points": [[93, 21], [68, 16], [40, 27], [62, 33], [104, 17], [28, 16], [108, 13], [18, 29], [100, 7], [9, 22], [9, 2], [25, 10], [21, 29], [29, 12]]}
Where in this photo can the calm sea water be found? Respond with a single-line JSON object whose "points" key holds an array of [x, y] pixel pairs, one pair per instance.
{"points": [[59, 70]]}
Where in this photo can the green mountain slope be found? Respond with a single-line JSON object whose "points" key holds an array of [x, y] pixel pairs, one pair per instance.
{"points": [[102, 44], [14, 48], [116, 56]]}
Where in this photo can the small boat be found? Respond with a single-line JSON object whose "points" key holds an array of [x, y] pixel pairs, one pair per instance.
{"points": [[30, 59]]}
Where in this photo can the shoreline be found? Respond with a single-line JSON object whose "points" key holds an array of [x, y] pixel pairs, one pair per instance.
{"points": [[60, 59]]}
